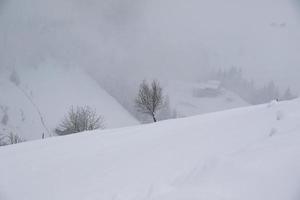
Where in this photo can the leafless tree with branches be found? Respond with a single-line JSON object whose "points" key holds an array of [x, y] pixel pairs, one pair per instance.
{"points": [[150, 99], [80, 119]]}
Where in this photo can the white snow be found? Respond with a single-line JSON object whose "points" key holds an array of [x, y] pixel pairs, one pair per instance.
{"points": [[227, 155], [51, 91], [250, 153]]}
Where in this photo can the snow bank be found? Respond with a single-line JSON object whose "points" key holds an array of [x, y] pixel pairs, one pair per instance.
{"points": [[224, 155]]}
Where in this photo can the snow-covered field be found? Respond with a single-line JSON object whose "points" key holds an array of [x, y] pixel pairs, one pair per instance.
{"points": [[44, 96], [192, 98], [250, 153]]}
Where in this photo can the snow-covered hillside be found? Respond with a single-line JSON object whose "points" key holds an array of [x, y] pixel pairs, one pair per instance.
{"points": [[249, 153], [33, 101], [189, 98]]}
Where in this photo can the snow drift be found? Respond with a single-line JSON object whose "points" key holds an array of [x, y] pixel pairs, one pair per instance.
{"points": [[248, 153]]}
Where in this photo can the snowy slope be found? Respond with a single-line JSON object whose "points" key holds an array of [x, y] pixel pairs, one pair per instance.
{"points": [[248, 153], [48, 92], [192, 98]]}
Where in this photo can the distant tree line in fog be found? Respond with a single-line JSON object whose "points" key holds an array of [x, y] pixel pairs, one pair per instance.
{"points": [[234, 80]]}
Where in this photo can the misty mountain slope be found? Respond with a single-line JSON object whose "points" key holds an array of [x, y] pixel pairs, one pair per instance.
{"points": [[249, 153], [44, 95], [192, 98], [156, 38]]}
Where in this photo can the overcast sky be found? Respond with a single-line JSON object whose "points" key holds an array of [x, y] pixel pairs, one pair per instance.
{"points": [[155, 38]]}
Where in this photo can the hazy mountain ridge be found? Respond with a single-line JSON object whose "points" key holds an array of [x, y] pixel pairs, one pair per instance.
{"points": [[37, 99], [159, 39], [131, 40]]}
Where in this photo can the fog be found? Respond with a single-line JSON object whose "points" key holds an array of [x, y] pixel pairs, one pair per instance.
{"points": [[165, 39]]}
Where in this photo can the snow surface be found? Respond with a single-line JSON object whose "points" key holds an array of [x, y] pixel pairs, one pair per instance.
{"points": [[192, 98], [247, 153], [51, 91]]}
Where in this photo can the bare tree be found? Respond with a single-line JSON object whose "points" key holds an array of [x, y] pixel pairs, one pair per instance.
{"points": [[79, 120], [7, 139], [150, 99]]}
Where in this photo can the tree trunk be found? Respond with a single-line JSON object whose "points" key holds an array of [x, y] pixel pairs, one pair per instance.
{"points": [[154, 119]]}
